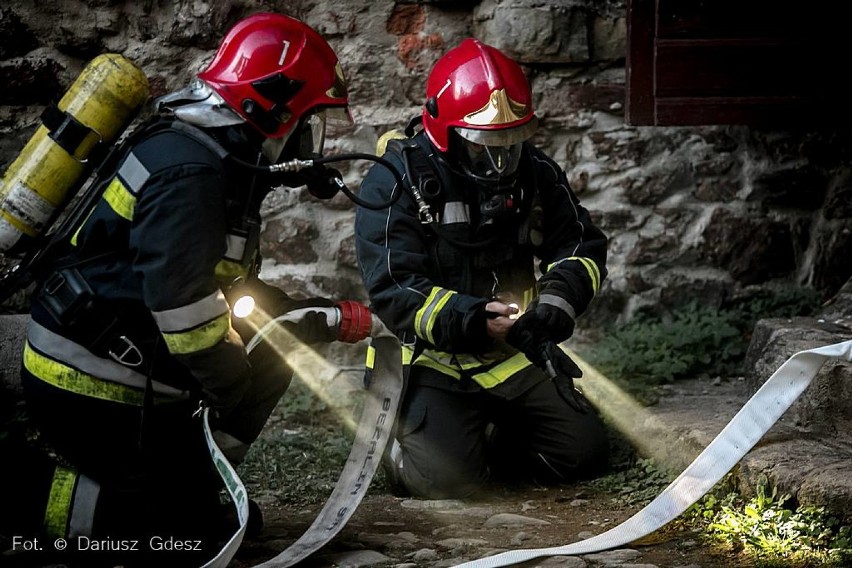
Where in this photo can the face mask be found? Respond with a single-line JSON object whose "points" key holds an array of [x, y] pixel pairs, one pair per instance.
{"points": [[490, 163], [308, 140]]}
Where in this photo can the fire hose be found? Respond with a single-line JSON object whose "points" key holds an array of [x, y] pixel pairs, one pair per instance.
{"points": [[735, 440], [738, 437], [353, 322]]}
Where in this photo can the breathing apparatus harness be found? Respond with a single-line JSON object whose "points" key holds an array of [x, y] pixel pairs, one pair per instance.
{"points": [[425, 185]]}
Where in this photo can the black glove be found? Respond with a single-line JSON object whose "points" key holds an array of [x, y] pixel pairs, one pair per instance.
{"points": [[562, 371], [557, 363], [274, 301], [322, 182], [527, 335], [554, 314], [312, 328]]}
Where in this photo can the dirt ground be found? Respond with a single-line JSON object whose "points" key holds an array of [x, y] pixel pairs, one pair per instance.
{"points": [[405, 530], [387, 530]]}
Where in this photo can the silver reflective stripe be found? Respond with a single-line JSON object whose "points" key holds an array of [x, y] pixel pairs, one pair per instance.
{"points": [[235, 247], [83, 509], [455, 212], [133, 173], [66, 351], [192, 315], [558, 302]]}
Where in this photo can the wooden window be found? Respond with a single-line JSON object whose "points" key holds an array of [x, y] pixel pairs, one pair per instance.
{"points": [[754, 62]]}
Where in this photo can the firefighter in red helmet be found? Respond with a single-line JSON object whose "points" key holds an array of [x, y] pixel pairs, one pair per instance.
{"points": [[131, 326], [452, 269]]}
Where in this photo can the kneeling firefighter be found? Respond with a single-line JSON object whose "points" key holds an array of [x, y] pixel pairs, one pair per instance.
{"points": [[131, 323], [492, 228]]}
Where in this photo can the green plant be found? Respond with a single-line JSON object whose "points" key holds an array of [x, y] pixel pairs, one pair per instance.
{"points": [[693, 340], [772, 533], [301, 404], [637, 484], [304, 447], [782, 302], [300, 466]]}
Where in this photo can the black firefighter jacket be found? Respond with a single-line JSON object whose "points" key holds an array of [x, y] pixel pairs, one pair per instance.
{"points": [[154, 252], [428, 288]]}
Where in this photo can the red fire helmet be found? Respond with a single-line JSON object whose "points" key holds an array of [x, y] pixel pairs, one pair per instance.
{"points": [[480, 92], [273, 70]]}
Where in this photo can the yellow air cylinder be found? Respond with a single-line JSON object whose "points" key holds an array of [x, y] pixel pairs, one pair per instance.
{"points": [[99, 105]]}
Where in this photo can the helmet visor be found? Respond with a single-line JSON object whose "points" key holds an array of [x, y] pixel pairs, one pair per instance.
{"points": [[311, 132], [490, 162], [501, 136], [304, 142]]}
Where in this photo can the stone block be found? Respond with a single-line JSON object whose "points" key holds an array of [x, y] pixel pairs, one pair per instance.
{"points": [[534, 32], [13, 330], [18, 39], [753, 249], [826, 405], [799, 186], [831, 249], [30, 80]]}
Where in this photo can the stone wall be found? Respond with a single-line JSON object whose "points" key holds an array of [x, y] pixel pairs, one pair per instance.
{"points": [[693, 213]]}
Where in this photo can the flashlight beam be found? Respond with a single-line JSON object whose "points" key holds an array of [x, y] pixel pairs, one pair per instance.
{"points": [[308, 365], [651, 436]]}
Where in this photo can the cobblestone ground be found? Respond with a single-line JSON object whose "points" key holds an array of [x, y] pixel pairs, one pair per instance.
{"points": [[388, 531]]}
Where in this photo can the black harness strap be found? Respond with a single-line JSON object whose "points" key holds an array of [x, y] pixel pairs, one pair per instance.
{"points": [[66, 130]]}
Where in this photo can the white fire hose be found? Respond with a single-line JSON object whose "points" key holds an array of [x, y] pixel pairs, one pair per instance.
{"points": [[740, 435], [352, 323]]}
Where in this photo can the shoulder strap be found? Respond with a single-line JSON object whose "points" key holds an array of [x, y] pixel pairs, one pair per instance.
{"points": [[50, 244], [199, 136], [418, 167]]}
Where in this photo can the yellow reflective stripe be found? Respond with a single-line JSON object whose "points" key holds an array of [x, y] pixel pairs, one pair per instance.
{"points": [[80, 228], [120, 199], [199, 338], [590, 266], [458, 360], [407, 353], [59, 502], [593, 271], [503, 371], [227, 270], [426, 362], [371, 357], [70, 379], [424, 319], [529, 296]]}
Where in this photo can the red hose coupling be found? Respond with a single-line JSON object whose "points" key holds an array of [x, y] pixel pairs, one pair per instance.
{"points": [[356, 321]]}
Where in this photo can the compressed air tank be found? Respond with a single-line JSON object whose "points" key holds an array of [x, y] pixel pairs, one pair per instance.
{"points": [[53, 165]]}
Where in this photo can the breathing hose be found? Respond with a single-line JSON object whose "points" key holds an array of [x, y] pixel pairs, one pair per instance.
{"points": [[297, 165]]}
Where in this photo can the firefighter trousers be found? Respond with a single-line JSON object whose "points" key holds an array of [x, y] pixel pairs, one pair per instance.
{"points": [[453, 442]]}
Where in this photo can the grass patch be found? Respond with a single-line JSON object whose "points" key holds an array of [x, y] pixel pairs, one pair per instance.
{"points": [[772, 532], [304, 447], [300, 466], [692, 340], [637, 484], [767, 530]]}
